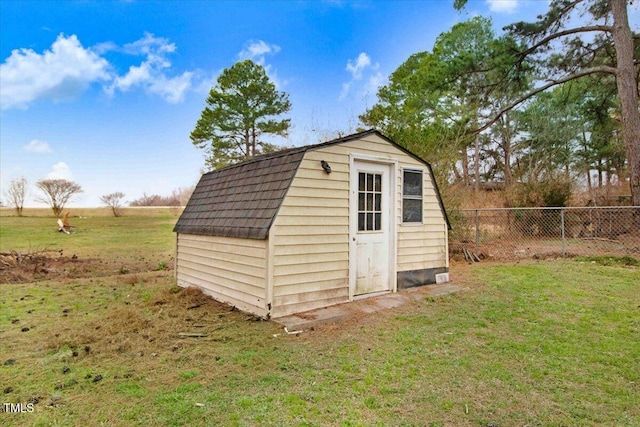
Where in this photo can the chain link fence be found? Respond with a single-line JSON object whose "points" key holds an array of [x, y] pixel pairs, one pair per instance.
{"points": [[546, 232]]}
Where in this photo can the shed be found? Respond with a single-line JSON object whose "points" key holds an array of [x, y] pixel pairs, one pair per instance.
{"points": [[313, 226]]}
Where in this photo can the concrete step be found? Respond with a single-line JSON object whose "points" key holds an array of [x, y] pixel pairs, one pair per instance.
{"points": [[336, 313]]}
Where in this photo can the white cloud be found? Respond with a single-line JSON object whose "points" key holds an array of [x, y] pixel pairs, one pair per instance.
{"points": [[205, 83], [357, 66], [151, 73], [374, 83], [150, 45], [60, 171], [104, 47], [273, 76], [346, 87], [38, 146], [137, 75], [171, 89], [256, 51], [60, 73], [506, 6], [67, 69]]}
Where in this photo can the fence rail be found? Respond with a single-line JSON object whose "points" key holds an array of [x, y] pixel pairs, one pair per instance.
{"points": [[543, 232]]}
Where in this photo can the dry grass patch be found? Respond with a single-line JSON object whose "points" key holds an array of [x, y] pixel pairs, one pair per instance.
{"points": [[142, 318], [83, 343]]}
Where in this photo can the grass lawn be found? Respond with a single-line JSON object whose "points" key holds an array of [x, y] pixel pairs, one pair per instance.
{"points": [[140, 240], [548, 343]]}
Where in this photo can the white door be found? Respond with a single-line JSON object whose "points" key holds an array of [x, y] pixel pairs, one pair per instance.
{"points": [[372, 227]]}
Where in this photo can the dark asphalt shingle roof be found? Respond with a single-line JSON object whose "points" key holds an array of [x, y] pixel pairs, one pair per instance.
{"points": [[242, 200]]}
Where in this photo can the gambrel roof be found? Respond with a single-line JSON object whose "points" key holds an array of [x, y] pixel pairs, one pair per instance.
{"points": [[242, 200]]}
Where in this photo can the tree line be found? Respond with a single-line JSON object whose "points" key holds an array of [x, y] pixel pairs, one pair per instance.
{"points": [[56, 193], [542, 105]]}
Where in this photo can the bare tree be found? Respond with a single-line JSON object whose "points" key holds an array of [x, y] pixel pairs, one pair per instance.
{"points": [[183, 194], [145, 200], [16, 194], [57, 192], [113, 201], [179, 198]]}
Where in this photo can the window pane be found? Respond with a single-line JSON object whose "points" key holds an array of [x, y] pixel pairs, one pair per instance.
{"points": [[411, 210], [412, 183], [369, 201]]}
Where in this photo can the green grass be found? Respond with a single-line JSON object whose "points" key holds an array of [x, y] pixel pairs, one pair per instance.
{"points": [[553, 343], [123, 241], [611, 260]]}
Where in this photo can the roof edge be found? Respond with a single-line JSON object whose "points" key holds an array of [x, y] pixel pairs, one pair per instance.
{"points": [[304, 148], [401, 148]]}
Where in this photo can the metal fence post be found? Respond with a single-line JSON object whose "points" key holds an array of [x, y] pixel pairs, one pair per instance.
{"points": [[477, 231], [564, 242], [533, 231]]}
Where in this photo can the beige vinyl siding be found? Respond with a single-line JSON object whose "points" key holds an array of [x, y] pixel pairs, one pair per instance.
{"points": [[311, 232], [423, 245], [311, 236], [304, 263], [419, 246], [229, 269]]}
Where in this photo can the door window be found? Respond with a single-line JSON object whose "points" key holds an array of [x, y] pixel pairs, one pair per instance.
{"points": [[369, 201]]}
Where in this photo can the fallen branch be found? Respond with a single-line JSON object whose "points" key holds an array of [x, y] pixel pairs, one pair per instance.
{"points": [[191, 307], [192, 334]]}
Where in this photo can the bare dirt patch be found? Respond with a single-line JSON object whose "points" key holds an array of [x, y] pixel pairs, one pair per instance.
{"points": [[157, 324], [19, 267]]}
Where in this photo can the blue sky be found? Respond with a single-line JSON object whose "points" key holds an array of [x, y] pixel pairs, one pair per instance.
{"points": [[106, 93]]}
